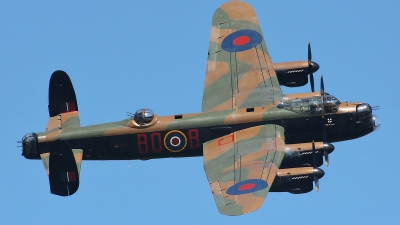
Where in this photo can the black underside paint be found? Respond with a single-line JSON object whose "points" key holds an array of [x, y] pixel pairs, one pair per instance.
{"points": [[62, 96], [63, 177], [155, 145]]}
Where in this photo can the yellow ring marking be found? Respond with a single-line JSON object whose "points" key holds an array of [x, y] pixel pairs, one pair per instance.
{"points": [[165, 139]]}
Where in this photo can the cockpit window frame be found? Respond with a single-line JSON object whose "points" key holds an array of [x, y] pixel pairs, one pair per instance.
{"points": [[314, 105]]}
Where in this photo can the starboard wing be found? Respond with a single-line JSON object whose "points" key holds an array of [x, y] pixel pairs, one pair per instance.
{"points": [[239, 73], [241, 167]]}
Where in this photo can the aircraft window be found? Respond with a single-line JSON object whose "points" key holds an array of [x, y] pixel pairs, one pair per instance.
{"points": [[313, 105], [143, 116], [331, 104]]}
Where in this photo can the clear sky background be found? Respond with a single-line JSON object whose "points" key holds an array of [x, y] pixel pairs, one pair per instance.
{"points": [[126, 55]]}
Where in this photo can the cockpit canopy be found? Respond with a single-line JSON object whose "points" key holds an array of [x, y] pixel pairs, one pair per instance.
{"points": [[143, 116], [314, 105]]}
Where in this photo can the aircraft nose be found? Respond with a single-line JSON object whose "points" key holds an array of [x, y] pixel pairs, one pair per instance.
{"points": [[376, 122], [364, 111], [313, 67]]}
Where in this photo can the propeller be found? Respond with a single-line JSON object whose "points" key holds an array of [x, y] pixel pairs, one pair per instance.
{"points": [[316, 180], [312, 67], [309, 66], [324, 138], [322, 86], [326, 155], [322, 92]]}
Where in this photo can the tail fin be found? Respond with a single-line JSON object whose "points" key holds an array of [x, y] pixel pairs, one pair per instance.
{"points": [[63, 107]]}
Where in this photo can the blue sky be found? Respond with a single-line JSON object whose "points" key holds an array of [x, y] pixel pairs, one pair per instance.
{"points": [[126, 55]]}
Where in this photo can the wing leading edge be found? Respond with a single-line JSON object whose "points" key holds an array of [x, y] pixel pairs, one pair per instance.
{"points": [[242, 166], [239, 73]]}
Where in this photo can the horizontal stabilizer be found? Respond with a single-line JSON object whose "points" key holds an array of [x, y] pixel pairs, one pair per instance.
{"points": [[62, 96], [62, 165], [63, 106]]}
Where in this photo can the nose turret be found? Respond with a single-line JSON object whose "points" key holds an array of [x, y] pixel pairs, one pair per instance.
{"points": [[366, 120], [364, 111]]}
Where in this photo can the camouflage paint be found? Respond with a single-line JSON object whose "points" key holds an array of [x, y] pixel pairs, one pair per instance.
{"points": [[251, 145]]}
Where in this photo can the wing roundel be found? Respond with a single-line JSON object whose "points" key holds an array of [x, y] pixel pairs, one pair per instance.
{"points": [[242, 166], [241, 40]]}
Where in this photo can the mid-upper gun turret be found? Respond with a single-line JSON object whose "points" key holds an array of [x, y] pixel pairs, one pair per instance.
{"points": [[143, 116]]}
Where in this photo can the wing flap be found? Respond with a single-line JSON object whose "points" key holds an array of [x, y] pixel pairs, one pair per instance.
{"points": [[241, 167]]}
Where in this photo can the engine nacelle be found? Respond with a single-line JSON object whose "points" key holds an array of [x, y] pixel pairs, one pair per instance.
{"points": [[294, 74], [296, 180], [30, 146], [301, 155]]}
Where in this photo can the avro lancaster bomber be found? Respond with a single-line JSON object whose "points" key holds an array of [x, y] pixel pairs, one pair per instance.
{"points": [[253, 138]]}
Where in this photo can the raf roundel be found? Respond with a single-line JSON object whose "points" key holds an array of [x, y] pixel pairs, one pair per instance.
{"points": [[175, 141], [241, 40], [247, 186]]}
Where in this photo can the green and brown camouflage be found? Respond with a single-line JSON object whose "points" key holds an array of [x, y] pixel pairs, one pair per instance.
{"points": [[254, 139], [238, 79], [253, 153]]}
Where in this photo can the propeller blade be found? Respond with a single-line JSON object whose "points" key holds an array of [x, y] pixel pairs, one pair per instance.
{"points": [[312, 67], [312, 82], [322, 86], [316, 182], [316, 179], [326, 156], [324, 138], [309, 66]]}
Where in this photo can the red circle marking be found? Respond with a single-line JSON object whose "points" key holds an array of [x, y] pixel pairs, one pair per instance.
{"points": [[242, 40], [175, 141], [245, 187]]}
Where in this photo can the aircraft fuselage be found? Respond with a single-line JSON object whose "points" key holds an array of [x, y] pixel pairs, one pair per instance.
{"points": [[184, 135]]}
